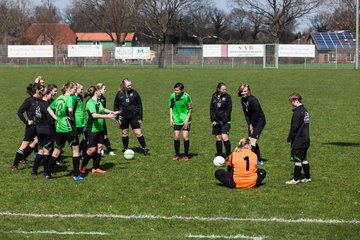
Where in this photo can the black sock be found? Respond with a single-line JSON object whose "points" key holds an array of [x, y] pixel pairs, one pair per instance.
{"points": [[218, 148], [177, 147], [18, 156], [27, 151], [96, 160], [256, 150], [86, 159], [76, 165], [37, 163], [125, 141], [186, 147], [107, 144], [51, 165], [46, 162], [297, 172], [83, 147], [306, 168], [227, 147], [142, 141]]}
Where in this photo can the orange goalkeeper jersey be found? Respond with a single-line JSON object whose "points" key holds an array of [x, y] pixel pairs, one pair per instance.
{"points": [[244, 164]]}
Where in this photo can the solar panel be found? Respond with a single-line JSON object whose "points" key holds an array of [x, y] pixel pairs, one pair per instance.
{"points": [[330, 41]]}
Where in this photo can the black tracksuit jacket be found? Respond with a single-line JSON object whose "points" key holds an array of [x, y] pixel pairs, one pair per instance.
{"points": [[220, 108], [130, 105], [299, 136]]}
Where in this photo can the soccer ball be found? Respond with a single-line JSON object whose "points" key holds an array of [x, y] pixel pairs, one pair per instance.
{"points": [[219, 161], [129, 154]]}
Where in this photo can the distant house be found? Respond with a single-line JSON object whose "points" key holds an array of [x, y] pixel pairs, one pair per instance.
{"points": [[105, 40], [49, 34]]}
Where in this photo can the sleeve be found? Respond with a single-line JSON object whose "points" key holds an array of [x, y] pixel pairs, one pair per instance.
{"points": [[212, 110], [230, 166], [70, 102], [117, 105], [171, 102], [139, 108], [189, 100], [22, 109], [53, 105], [229, 108], [255, 109], [90, 107], [295, 125]]}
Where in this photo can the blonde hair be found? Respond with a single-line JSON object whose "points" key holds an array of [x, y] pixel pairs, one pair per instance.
{"points": [[241, 88], [242, 144], [100, 86], [122, 84], [68, 85]]}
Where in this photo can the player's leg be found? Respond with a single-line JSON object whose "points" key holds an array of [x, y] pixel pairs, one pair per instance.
{"points": [[177, 131], [225, 178], [135, 125], [186, 143]]}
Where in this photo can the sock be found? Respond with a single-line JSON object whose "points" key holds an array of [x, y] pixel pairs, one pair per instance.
{"points": [[27, 151], [107, 144], [227, 147], [306, 168], [186, 147], [218, 148], [18, 156], [46, 162], [258, 152], [37, 163], [76, 164], [86, 159], [96, 160], [83, 146], [142, 141], [125, 141], [177, 147], [51, 165], [297, 172]]}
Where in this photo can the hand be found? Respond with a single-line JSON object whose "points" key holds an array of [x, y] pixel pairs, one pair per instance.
{"points": [[112, 115], [251, 129], [186, 125], [119, 121], [214, 123], [30, 122], [140, 121], [171, 123], [117, 112]]}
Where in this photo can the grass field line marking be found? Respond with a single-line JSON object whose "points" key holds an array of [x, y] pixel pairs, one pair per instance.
{"points": [[193, 218], [60, 233], [224, 237]]}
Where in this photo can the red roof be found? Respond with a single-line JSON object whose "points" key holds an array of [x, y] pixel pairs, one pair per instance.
{"points": [[99, 36], [49, 33]]}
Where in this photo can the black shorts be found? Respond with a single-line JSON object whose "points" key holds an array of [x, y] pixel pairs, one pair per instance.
{"points": [[93, 139], [298, 155], [257, 130], [70, 137], [179, 127], [126, 122], [219, 129], [30, 133], [105, 128], [44, 136], [79, 131]]}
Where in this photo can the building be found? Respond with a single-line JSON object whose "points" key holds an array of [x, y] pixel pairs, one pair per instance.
{"points": [[105, 40]]}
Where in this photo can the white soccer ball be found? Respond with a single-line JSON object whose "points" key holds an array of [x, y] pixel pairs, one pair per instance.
{"points": [[219, 161], [129, 154]]}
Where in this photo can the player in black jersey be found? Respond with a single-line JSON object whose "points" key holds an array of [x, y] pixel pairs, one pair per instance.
{"points": [[254, 116], [128, 102], [102, 88], [220, 117]]}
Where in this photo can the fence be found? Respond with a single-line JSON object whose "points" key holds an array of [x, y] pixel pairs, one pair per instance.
{"points": [[183, 56]]}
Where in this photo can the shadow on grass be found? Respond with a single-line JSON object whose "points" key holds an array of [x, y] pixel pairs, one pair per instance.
{"points": [[343, 144]]}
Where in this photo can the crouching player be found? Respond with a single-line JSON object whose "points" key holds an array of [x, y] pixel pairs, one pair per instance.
{"points": [[242, 168], [299, 139]]}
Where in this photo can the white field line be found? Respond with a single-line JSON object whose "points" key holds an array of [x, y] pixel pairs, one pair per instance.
{"points": [[182, 218], [61, 233], [224, 237]]}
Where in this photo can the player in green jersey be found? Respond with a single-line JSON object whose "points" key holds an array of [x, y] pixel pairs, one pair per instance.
{"points": [[65, 129], [95, 115], [79, 116], [180, 105]]}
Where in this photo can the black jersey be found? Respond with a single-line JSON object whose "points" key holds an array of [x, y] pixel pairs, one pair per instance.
{"points": [[42, 116], [130, 105], [50, 119], [220, 108], [252, 110], [28, 106], [299, 135], [102, 99]]}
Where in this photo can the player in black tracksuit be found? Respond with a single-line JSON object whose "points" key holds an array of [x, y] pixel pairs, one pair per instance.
{"points": [[220, 117], [128, 102], [254, 116], [102, 99], [299, 139], [28, 106]]}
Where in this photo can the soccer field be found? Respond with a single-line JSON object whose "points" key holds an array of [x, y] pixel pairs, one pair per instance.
{"points": [[153, 197]]}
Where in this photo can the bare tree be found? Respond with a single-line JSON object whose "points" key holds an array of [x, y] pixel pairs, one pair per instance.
{"points": [[321, 22], [344, 15], [157, 17], [47, 13], [279, 16], [218, 20]]}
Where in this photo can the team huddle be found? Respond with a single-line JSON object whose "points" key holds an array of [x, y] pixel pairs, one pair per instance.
{"points": [[51, 122]]}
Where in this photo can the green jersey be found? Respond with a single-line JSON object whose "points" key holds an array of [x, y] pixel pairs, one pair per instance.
{"points": [[79, 112], [180, 106], [61, 106], [94, 124]]}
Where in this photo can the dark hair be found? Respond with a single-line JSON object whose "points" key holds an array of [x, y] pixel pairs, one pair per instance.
{"points": [[50, 87], [295, 96], [90, 92], [33, 87], [179, 85], [218, 88]]}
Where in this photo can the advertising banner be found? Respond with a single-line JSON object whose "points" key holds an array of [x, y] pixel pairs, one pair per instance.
{"points": [[30, 51]]}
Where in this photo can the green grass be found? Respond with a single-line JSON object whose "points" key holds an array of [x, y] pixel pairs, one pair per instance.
{"points": [[156, 185]]}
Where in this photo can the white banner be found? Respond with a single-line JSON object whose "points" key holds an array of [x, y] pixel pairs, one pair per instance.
{"points": [[297, 50], [123, 53], [132, 53], [215, 50], [85, 51], [30, 51], [245, 50]]}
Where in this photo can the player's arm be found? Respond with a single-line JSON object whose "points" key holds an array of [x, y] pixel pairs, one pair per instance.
{"points": [[230, 167], [139, 107], [212, 112], [21, 111], [295, 125], [51, 112]]}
